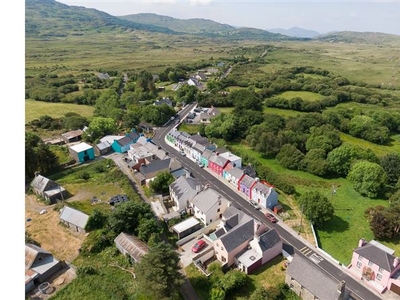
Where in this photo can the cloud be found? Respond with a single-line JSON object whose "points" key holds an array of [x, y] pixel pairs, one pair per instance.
{"points": [[200, 2]]}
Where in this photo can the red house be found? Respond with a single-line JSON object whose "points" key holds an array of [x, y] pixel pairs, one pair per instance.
{"points": [[217, 163]]}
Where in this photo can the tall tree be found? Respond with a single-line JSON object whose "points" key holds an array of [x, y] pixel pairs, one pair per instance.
{"points": [[368, 178], [99, 127], [290, 157], [391, 164], [316, 207], [158, 273], [161, 183]]}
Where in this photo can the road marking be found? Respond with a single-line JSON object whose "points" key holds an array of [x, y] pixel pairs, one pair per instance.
{"points": [[306, 251], [316, 258]]}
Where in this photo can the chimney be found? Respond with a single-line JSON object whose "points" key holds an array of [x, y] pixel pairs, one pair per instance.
{"points": [[217, 153], [361, 242], [257, 179], [341, 290], [396, 262], [37, 173]]}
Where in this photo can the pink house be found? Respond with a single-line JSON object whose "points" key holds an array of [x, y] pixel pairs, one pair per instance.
{"points": [[217, 163], [376, 265]]}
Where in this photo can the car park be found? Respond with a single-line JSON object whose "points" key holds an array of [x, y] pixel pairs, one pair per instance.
{"points": [[270, 217], [255, 204], [198, 246]]}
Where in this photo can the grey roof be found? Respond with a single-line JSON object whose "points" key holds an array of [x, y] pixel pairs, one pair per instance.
{"points": [[247, 181], [377, 256], [74, 217], [184, 189], [132, 245], [133, 135], [199, 148], [163, 101], [221, 150], [155, 166], [31, 252], [265, 189], [218, 160], [126, 140], [103, 145], [72, 134], [111, 138], [174, 133], [269, 239], [238, 235], [206, 199], [207, 153], [42, 183], [313, 279], [199, 139], [249, 170], [235, 172]]}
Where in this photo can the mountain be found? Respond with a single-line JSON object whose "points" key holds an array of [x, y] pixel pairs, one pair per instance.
{"points": [[295, 32], [51, 18], [376, 38]]}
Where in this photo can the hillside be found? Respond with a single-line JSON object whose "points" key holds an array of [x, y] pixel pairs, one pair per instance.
{"points": [[376, 38], [44, 18], [295, 32]]}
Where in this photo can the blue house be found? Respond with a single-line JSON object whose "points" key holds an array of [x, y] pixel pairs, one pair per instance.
{"points": [[122, 145], [82, 152]]}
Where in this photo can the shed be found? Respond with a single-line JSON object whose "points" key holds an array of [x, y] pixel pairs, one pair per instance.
{"points": [[48, 189], [72, 136], [103, 148], [186, 227], [131, 245], [74, 219], [82, 152]]}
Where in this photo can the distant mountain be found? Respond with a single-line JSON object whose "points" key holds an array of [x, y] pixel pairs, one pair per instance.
{"points": [[204, 27], [376, 38], [295, 32], [51, 18]]}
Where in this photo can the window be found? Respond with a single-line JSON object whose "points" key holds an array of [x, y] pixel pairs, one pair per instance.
{"points": [[223, 258], [291, 286], [379, 277], [222, 248], [217, 245], [380, 270], [360, 257], [370, 263], [359, 265], [218, 210]]}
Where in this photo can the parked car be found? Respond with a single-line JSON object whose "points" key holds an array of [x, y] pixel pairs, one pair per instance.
{"points": [[255, 204], [182, 153], [270, 217], [200, 164], [199, 246]]}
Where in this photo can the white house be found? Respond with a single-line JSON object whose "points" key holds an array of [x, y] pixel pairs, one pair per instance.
{"points": [[182, 191], [236, 160], [265, 195], [209, 205]]}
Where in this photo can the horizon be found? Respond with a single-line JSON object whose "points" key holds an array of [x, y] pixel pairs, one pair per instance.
{"points": [[317, 15]]}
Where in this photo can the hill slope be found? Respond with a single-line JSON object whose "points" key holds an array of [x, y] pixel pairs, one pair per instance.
{"points": [[376, 38], [295, 32]]}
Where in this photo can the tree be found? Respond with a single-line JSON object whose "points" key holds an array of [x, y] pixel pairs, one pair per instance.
{"points": [[158, 273], [290, 157], [97, 220], [368, 178], [316, 207], [108, 105], [315, 162], [99, 127], [161, 183], [391, 164], [146, 228]]}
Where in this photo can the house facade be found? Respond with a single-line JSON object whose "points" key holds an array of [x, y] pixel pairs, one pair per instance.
{"points": [[182, 190], [376, 265], [233, 176], [82, 152], [217, 163], [264, 194], [246, 185], [122, 145], [48, 189], [205, 156]]}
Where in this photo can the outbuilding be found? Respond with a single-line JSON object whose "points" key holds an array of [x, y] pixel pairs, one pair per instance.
{"points": [[82, 152]]}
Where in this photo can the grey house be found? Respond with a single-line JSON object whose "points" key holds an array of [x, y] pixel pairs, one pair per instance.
{"points": [[48, 189], [74, 219], [182, 192]]}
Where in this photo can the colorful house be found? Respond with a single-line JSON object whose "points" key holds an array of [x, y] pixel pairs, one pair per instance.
{"points": [[205, 156], [217, 163], [234, 159], [264, 194], [246, 185], [376, 265], [122, 145], [82, 152], [233, 176], [172, 136]]}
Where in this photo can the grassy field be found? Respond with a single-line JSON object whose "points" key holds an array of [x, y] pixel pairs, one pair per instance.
{"points": [[340, 236], [189, 128], [306, 96], [35, 109], [282, 112]]}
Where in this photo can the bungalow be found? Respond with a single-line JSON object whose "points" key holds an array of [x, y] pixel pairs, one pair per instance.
{"points": [[233, 175], [72, 136], [261, 249], [234, 234], [376, 264], [131, 245], [122, 145], [48, 189], [74, 219], [208, 206], [182, 190], [236, 160], [308, 281], [205, 156], [246, 185], [217, 163], [82, 152], [264, 194], [40, 266]]}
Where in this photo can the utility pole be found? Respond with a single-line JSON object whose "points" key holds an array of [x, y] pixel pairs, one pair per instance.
{"points": [[301, 219]]}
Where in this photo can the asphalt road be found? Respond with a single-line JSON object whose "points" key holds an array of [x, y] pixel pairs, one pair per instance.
{"points": [[292, 243]]}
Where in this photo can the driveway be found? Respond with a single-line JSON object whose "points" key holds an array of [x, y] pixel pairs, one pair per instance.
{"points": [[186, 253]]}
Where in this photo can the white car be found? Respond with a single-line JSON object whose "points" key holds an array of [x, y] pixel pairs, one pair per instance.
{"points": [[182, 153], [255, 204]]}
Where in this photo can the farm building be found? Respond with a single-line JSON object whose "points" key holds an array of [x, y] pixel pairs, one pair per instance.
{"points": [[74, 219], [131, 245], [82, 152], [72, 136], [102, 148], [48, 189]]}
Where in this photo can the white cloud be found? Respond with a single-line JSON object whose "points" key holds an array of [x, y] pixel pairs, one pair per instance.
{"points": [[201, 2]]}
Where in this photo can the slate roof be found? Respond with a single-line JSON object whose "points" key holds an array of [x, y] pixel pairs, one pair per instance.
{"points": [[132, 245], [74, 217], [184, 189], [42, 183], [206, 154], [199, 139], [199, 148], [207, 199], [236, 172], [247, 181], [269, 239], [377, 256], [103, 145], [263, 188], [133, 135], [218, 160], [110, 138], [249, 170], [313, 279], [72, 134], [174, 133], [238, 235], [155, 166], [126, 140]]}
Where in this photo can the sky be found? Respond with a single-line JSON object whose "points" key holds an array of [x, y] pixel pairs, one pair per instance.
{"points": [[319, 15]]}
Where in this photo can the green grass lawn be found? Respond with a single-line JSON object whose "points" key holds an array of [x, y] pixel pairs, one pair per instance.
{"points": [[189, 128], [35, 109], [282, 112], [306, 96], [339, 236]]}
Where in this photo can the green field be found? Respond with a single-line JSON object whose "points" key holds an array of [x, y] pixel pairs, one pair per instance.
{"points": [[282, 112], [35, 109], [306, 96]]}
